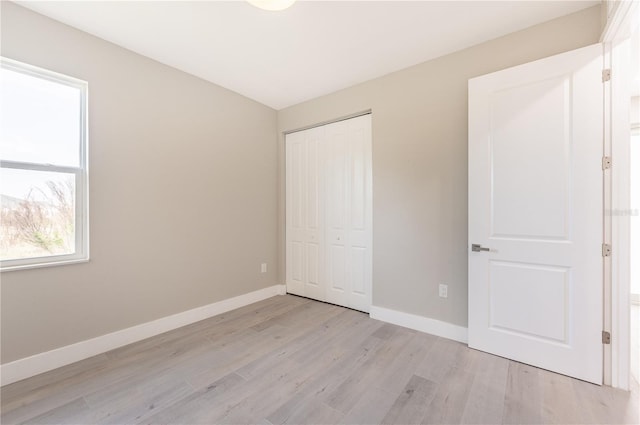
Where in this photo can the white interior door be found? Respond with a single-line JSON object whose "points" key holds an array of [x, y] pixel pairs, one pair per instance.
{"points": [[535, 202], [329, 213]]}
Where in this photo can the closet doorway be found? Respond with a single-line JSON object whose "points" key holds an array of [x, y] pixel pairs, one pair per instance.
{"points": [[329, 213]]}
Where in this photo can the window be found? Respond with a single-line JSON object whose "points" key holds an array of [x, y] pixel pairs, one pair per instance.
{"points": [[43, 167]]}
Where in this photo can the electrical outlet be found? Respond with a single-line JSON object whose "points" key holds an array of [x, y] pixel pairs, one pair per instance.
{"points": [[263, 268], [442, 290]]}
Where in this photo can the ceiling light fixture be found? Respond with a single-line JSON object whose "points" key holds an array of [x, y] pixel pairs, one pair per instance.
{"points": [[272, 5]]}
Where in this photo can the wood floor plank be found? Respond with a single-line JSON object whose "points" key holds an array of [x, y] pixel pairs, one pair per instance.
{"points": [[358, 326], [341, 365], [258, 396], [606, 405], [371, 408], [211, 366], [302, 380], [485, 404], [443, 356], [559, 402], [201, 406], [412, 404], [385, 331], [401, 369], [29, 391], [291, 360], [340, 328], [315, 412], [135, 402], [265, 342], [452, 394], [376, 400], [251, 399], [74, 412], [305, 312], [348, 393], [523, 400]]}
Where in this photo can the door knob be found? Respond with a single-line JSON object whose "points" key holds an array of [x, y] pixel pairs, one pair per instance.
{"points": [[477, 248]]}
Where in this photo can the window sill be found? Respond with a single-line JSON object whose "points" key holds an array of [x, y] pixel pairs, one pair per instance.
{"points": [[43, 264]]}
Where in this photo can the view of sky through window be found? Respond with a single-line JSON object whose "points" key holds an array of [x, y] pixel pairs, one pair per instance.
{"points": [[39, 120]]}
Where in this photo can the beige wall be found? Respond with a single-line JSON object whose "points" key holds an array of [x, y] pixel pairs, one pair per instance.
{"points": [[183, 190], [420, 162]]}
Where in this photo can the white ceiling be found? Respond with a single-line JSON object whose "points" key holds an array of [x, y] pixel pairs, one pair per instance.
{"points": [[311, 49]]}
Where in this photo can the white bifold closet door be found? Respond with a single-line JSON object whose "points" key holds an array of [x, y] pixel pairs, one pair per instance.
{"points": [[328, 213]]}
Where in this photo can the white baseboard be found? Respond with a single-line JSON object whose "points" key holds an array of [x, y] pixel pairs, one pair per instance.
{"points": [[420, 323], [49, 360]]}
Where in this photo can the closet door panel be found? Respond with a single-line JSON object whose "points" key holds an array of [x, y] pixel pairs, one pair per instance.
{"points": [[313, 238], [296, 152], [359, 227], [336, 207]]}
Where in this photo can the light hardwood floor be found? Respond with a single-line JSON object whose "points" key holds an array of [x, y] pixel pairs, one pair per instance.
{"points": [[292, 360]]}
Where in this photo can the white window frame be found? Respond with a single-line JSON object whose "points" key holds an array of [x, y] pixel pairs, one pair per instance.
{"points": [[81, 173]]}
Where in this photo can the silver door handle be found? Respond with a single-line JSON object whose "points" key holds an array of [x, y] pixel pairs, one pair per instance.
{"points": [[477, 248]]}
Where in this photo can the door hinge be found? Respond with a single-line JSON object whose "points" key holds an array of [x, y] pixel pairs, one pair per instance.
{"points": [[606, 75], [606, 337], [606, 162], [606, 250]]}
